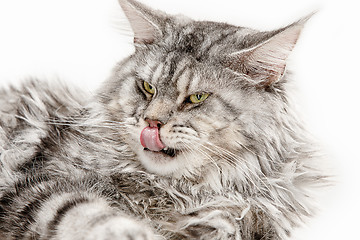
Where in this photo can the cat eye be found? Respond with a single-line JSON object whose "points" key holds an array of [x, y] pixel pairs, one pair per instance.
{"points": [[148, 88], [198, 97]]}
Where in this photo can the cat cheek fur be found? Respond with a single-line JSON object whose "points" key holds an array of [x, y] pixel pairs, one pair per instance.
{"points": [[245, 168]]}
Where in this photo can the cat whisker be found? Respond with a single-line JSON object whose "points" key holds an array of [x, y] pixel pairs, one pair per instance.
{"points": [[231, 156], [257, 175], [254, 153], [76, 123], [204, 153]]}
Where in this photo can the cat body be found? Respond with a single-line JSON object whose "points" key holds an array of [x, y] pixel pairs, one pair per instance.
{"points": [[192, 137]]}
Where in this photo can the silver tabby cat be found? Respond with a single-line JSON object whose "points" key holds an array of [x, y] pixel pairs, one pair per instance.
{"points": [[192, 137]]}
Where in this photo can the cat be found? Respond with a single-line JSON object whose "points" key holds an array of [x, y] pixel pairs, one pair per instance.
{"points": [[193, 136]]}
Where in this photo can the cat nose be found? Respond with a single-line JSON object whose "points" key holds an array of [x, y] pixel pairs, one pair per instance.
{"points": [[154, 123]]}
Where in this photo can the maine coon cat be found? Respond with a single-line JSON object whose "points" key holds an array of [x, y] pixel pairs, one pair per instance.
{"points": [[192, 137]]}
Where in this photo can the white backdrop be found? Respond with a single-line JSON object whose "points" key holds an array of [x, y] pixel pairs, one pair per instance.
{"points": [[80, 40]]}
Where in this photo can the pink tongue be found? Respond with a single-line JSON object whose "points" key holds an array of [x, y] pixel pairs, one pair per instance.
{"points": [[150, 139]]}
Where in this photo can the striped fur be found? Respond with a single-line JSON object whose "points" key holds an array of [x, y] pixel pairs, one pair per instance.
{"points": [[242, 166]]}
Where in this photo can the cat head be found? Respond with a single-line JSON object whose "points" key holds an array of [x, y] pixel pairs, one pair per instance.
{"points": [[195, 93]]}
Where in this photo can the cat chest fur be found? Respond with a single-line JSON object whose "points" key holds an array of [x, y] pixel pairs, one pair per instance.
{"points": [[193, 136]]}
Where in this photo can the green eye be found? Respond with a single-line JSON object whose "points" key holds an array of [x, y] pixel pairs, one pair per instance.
{"points": [[198, 97], [150, 89]]}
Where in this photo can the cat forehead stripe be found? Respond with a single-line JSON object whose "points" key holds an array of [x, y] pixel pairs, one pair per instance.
{"points": [[157, 74], [183, 84], [126, 162]]}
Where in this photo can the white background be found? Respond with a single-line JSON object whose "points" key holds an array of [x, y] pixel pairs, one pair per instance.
{"points": [[80, 40]]}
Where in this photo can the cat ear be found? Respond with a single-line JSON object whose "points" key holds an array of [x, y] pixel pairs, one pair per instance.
{"points": [[143, 21], [265, 63]]}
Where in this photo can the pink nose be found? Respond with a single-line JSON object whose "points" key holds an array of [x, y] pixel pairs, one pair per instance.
{"points": [[153, 123]]}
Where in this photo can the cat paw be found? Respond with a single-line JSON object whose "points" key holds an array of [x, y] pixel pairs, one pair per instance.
{"points": [[215, 225], [120, 228]]}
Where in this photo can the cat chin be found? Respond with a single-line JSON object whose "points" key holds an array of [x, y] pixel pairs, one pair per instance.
{"points": [[162, 164]]}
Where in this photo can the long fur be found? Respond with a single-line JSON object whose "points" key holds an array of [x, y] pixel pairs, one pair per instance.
{"points": [[72, 166]]}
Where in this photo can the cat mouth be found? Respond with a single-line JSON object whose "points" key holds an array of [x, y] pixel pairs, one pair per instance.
{"points": [[150, 140], [170, 152]]}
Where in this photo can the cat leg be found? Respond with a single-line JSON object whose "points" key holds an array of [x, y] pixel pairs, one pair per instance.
{"points": [[217, 224], [213, 224], [96, 220], [45, 207]]}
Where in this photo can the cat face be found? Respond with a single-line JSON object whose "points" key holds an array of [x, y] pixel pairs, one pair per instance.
{"points": [[193, 92], [179, 119]]}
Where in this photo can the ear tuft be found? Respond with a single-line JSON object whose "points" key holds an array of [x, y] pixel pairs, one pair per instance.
{"points": [[143, 21], [265, 63]]}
